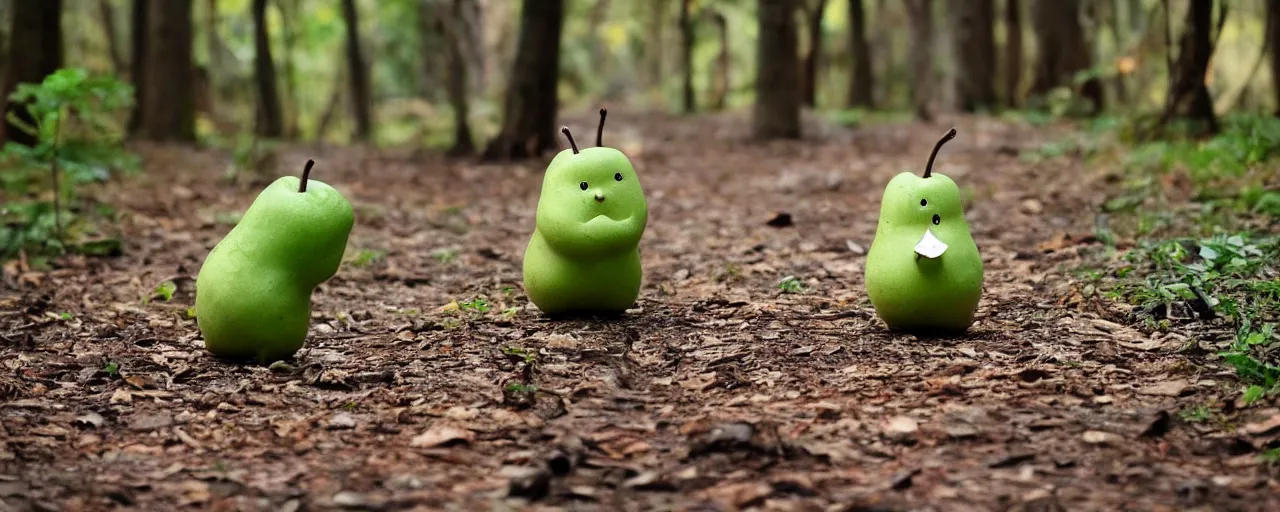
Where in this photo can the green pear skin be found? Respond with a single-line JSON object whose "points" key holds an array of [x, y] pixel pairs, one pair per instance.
{"points": [[911, 292], [253, 293], [584, 254]]}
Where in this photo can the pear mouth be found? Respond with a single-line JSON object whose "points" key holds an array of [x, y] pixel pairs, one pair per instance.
{"points": [[599, 198], [929, 246]]}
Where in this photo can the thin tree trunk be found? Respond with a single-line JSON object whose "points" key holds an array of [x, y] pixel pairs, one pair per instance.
{"points": [[595, 19], [270, 120], [809, 81], [861, 86], [529, 113], [434, 63], [653, 45], [288, 12], [920, 66], [1063, 50], [975, 48], [456, 37], [686, 55], [361, 101], [1012, 53], [138, 28], [1189, 97], [720, 79], [169, 116], [35, 51], [108, 14], [777, 110], [1273, 46]]}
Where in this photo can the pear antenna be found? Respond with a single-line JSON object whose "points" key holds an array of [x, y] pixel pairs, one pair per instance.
{"points": [[600, 129], [928, 169], [306, 173], [567, 135]]}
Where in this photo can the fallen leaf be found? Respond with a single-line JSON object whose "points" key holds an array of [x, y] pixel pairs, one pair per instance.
{"points": [[900, 428], [1100, 437], [442, 435], [1264, 427], [144, 422], [88, 419], [1166, 388]]}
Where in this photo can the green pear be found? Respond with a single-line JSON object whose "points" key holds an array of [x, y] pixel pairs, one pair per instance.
{"points": [[584, 255], [924, 273], [253, 294]]}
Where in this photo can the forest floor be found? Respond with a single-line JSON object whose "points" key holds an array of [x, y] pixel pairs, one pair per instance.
{"points": [[719, 391]]}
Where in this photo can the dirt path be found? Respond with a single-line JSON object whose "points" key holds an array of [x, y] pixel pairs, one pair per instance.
{"points": [[720, 391]]}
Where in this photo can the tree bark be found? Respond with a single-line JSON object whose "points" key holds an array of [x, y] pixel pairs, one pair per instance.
{"points": [[434, 63], [35, 51], [270, 119], [108, 14], [1012, 53], [529, 113], [777, 110], [288, 12], [1189, 97], [1273, 46], [920, 66], [1063, 51], [138, 28], [861, 86], [686, 56], [361, 101], [813, 16], [975, 50], [456, 37], [653, 45], [169, 116], [720, 79]]}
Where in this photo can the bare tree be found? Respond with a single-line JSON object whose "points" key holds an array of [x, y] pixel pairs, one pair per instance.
{"points": [[920, 57], [720, 77], [459, 78], [972, 29], [809, 80], [1273, 47], [1012, 52], [529, 113], [361, 99], [35, 51], [686, 55], [1062, 48], [777, 110], [861, 85], [1189, 97], [653, 41], [270, 119], [169, 68], [288, 13], [138, 27]]}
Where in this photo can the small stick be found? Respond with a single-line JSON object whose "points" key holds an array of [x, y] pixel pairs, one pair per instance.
{"points": [[600, 129], [928, 169], [567, 135], [306, 173]]}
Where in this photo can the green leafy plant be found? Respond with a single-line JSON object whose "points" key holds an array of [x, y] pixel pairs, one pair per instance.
{"points": [[475, 305], [1198, 414], [366, 257], [70, 115], [790, 284], [521, 354]]}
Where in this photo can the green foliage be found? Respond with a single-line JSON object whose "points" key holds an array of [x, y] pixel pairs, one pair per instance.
{"points": [[164, 291], [77, 142], [366, 257], [790, 284], [112, 368], [1198, 414], [521, 354], [475, 305]]}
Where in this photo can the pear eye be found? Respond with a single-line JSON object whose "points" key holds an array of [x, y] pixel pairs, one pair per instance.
{"points": [[936, 219], [924, 202], [582, 185], [617, 176]]}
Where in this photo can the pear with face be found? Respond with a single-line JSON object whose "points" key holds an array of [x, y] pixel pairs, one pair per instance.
{"points": [[924, 273], [584, 255]]}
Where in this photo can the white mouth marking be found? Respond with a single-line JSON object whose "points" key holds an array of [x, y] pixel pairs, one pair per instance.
{"points": [[929, 245]]}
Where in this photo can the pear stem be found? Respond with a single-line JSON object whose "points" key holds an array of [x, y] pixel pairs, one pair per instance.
{"points": [[928, 169], [567, 135], [306, 173], [600, 129]]}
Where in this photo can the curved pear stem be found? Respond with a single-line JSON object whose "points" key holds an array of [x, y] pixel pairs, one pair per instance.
{"points": [[600, 129], [567, 135], [928, 169], [306, 173]]}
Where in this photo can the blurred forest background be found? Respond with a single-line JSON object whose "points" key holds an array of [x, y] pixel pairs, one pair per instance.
{"points": [[466, 74]]}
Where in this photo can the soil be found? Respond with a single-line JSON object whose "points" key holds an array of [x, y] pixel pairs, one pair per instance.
{"points": [[719, 391]]}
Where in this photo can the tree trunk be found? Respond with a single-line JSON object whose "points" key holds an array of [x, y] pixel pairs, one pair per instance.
{"points": [[270, 120], [434, 63], [1012, 53], [809, 80], [361, 101], [138, 28], [35, 51], [456, 38], [529, 113], [777, 110], [1063, 50], [1273, 46], [686, 55], [975, 50], [720, 79], [288, 13], [108, 14], [920, 66], [169, 116], [860, 80], [1189, 97], [653, 44]]}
